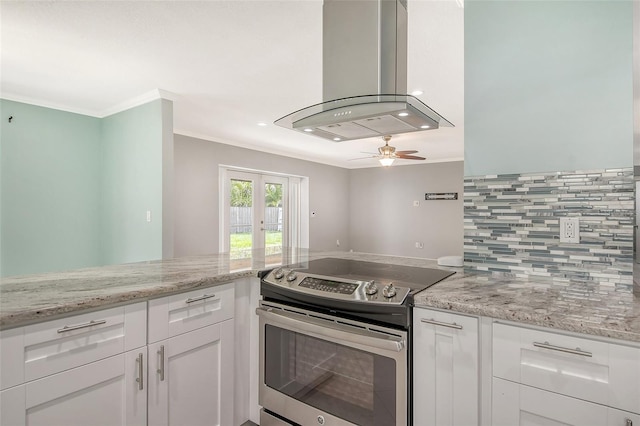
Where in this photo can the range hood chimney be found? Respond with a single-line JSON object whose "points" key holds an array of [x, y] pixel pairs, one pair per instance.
{"points": [[364, 76]]}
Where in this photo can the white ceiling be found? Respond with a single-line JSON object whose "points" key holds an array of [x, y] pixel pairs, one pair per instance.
{"points": [[226, 64]]}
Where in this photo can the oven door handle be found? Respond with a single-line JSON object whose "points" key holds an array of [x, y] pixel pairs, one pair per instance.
{"points": [[333, 330]]}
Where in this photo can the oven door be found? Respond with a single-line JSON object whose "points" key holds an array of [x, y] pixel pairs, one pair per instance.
{"points": [[323, 370]]}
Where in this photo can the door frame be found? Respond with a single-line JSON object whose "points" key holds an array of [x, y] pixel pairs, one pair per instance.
{"points": [[295, 204]]}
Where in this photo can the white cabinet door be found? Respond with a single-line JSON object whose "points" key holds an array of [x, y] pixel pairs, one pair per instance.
{"points": [[106, 392], [516, 404], [445, 359], [191, 378]]}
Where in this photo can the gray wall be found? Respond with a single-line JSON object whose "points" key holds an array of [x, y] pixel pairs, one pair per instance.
{"points": [[196, 211], [548, 86], [383, 219]]}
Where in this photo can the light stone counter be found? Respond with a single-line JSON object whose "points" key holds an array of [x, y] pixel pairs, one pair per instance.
{"points": [[579, 307]]}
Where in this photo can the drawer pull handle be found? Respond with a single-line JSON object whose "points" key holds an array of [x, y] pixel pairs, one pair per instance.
{"points": [[161, 369], [628, 422], [79, 326], [575, 351], [203, 297], [443, 324], [140, 378]]}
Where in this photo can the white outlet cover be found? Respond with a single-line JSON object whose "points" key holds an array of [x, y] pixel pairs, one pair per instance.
{"points": [[570, 230]]}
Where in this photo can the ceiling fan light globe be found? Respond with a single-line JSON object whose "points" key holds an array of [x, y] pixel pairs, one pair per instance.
{"points": [[387, 161]]}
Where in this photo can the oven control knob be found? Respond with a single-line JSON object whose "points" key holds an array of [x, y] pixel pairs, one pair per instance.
{"points": [[320, 420], [278, 274], [371, 288], [389, 291], [291, 276]]}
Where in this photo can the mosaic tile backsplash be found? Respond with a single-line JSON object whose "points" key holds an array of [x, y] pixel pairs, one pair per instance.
{"points": [[512, 225]]}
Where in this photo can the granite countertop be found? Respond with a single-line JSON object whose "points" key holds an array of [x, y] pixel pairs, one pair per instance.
{"points": [[572, 306]]}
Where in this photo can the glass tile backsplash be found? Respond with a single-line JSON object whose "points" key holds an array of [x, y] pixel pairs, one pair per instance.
{"points": [[512, 225]]}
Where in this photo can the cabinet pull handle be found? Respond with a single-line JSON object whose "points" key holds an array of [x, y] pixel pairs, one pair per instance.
{"points": [[161, 369], [140, 378], [628, 422], [203, 297], [443, 324], [575, 351], [79, 326]]}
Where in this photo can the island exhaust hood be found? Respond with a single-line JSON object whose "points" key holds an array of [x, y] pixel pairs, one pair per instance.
{"points": [[364, 76]]}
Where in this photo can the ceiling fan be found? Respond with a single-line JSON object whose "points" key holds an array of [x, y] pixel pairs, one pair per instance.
{"points": [[387, 154]]}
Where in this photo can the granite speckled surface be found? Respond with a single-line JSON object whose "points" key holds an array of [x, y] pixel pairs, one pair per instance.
{"points": [[571, 306]]}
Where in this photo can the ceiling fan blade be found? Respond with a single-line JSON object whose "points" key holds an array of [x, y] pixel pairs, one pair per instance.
{"points": [[410, 157], [363, 158], [406, 152], [370, 153]]}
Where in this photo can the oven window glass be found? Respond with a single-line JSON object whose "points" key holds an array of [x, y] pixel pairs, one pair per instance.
{"points": [[354, 385]]}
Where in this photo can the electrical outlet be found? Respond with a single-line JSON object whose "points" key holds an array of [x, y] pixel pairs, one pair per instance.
{"points": [[419, 245], [337, 243], [569, 230], [148, 215]]}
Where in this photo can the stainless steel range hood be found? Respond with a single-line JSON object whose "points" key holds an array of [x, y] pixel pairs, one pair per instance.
{"points": [[364, 76]]}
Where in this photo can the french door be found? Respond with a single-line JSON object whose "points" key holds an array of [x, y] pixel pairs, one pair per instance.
{"points": [[257, 215]]}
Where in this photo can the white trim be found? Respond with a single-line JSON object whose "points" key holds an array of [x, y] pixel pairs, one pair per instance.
{"points": [[123, 106], [137, 101], [295, 204], [258, 171], [46, 104]]}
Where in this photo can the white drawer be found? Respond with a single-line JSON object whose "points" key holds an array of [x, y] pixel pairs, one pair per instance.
{"points": [[601, 372], [50, 347], [516, 404], [180, 313]]}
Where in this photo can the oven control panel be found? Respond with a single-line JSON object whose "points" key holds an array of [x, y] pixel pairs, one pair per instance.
{"points": [[327, 285], [383, 292]]}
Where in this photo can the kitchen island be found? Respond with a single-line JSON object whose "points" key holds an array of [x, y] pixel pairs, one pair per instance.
{"points": [[582, 307]]}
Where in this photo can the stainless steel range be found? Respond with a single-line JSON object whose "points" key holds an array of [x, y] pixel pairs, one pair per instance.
{"points": [[335, 342]]}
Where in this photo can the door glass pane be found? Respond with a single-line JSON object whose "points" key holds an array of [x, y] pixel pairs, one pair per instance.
{"points": [[352, 384], [241, 219], [273, 222]]}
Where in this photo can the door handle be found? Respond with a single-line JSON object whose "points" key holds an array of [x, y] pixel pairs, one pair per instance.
{"points": [[79, 326], [576, 351], [161, 369], [442, 324], [140, 378]]}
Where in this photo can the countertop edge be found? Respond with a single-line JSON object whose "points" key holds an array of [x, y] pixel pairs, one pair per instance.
{"points": [[37, 315]]}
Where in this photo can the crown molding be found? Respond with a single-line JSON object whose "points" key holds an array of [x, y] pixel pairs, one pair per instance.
{"points": [[152, 95]]}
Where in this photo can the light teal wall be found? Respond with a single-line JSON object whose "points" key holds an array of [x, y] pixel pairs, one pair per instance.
{"points": [[132, 184], [76, 189], [50, 190], [548, 86]]}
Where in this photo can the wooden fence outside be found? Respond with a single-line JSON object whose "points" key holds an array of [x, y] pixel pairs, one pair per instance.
{"points": [[240, 219]]}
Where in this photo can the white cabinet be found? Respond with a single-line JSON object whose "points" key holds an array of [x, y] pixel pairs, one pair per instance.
{"points": [[81, 370], [517, 404], [445, 372], [106, 392], [99, 368], [191, 372], [597, 371], [191, 378], [542, 377]]}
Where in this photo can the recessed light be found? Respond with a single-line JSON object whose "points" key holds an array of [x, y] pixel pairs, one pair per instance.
{"points": [[262, 123], [308, 130], [337, 139], [403, 114], [417, 93], [425, 127]]}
